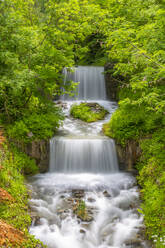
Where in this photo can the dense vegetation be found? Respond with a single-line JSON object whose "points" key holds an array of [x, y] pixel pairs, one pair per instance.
{"points": [[137, 56], [89, 112], [38, 38]]}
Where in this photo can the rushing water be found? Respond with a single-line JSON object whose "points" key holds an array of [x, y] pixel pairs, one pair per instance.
{"points": [[84, 167], [82, 155], [91, 82]]}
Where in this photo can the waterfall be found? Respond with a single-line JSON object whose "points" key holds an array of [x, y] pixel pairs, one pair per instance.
{"points": [[82, 155], [83, 169], [74, 155], [91, 83]]}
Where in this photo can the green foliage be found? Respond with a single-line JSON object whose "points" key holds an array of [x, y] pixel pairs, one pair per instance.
{"points": [[39, 38], [135, 33], [147, 127], [130, 122], [152, 180], [35, 127], [88, 112], [16, 212], [81, 210]]}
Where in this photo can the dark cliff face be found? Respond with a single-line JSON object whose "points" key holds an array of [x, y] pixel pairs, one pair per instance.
{"points": [[128, 155], [39, 151], [111, 83]]}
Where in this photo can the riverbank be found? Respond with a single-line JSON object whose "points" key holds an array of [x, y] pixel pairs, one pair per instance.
{"points": [[139, 133], [14, 208]]}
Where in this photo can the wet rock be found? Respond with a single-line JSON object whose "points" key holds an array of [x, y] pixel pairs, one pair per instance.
{"points": [[85, 225], [87, 218], [128, 156], [60, 211], [142, 233], [95, 107], [66, 211], [106, 194], [90, 199], [36, 221], [70, 199], [89, 211], [79, 221], [35, 218], [62, 104], [115, 219], [38, 150], [83, 213], [63, 216], [132, 205], [62, 196], [111, 81], [78, 193], [136, 243]]}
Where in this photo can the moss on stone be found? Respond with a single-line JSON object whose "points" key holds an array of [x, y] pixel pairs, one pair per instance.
{"points": [[88, 112]]}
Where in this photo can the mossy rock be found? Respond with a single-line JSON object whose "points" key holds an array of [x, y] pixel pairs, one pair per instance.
{"points": [[80, 209], [89, 112]]}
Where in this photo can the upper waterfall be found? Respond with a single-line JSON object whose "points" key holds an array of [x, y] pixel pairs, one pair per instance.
{"points": [[91, 82]]}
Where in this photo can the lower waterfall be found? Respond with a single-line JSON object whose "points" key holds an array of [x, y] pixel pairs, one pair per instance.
{"points": [[82, 155]]}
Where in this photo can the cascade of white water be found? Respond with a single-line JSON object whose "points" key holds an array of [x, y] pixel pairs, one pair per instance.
{"points": [[91, 82], [82, 155], [83, 168]]}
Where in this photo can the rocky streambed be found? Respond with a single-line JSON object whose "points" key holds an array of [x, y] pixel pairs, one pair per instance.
{"points": [[87, 211]]}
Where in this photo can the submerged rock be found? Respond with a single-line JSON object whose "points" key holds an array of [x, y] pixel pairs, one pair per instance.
{"points": [[87, 218], [136, 243], [106, 194], [90, 199], [82, 231]]}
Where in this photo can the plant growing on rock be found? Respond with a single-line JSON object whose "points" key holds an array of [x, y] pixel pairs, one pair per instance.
{"points": [[80, 209], [88, 112]]}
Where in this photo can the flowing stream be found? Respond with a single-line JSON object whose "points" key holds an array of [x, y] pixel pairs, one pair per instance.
{"points": [[84, 170]]}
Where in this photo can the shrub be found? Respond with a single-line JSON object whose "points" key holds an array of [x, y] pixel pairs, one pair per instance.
{"points": [[132, 122], [35, 127]]}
